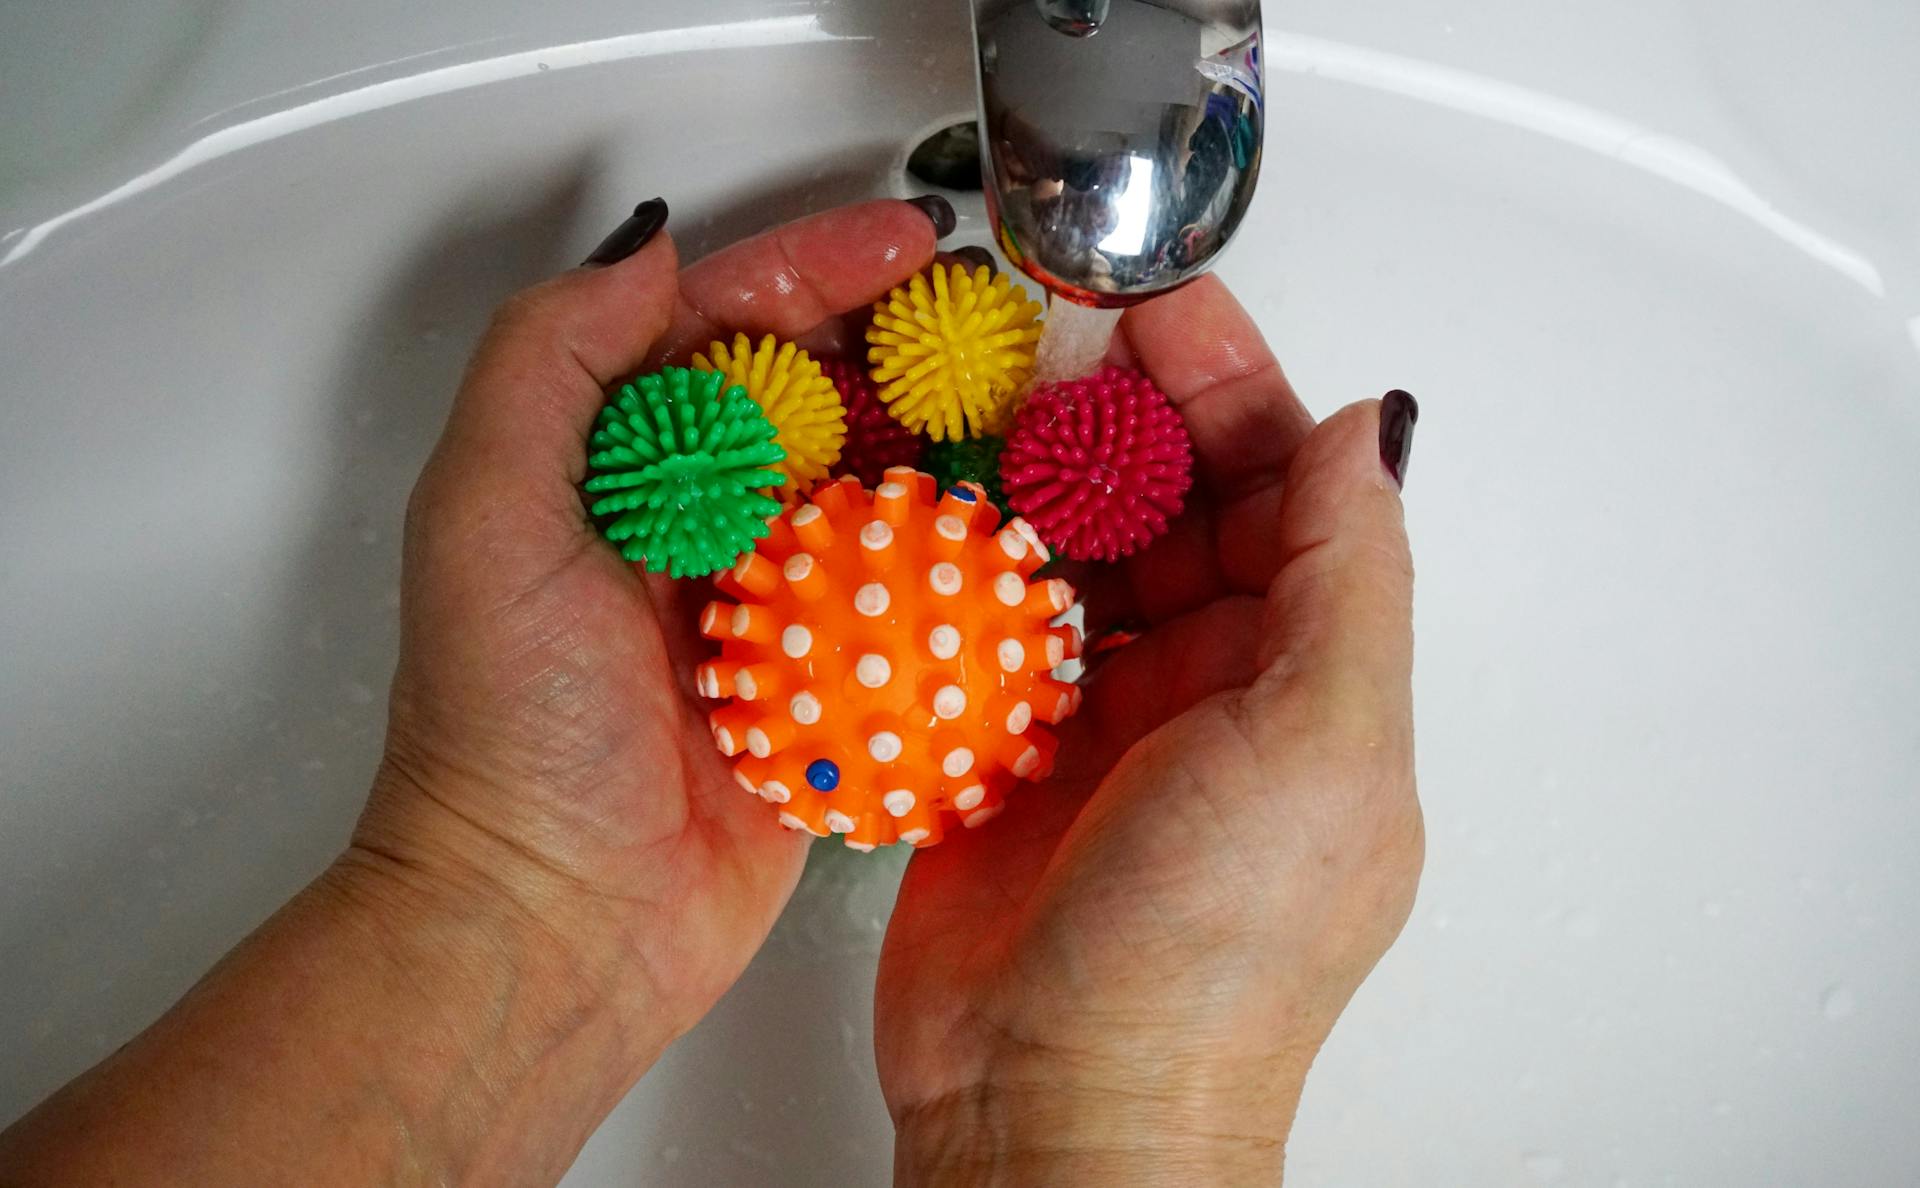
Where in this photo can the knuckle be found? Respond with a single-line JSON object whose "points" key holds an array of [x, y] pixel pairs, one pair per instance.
{"points": [[524, 312], [419, 507], [531, 315]]}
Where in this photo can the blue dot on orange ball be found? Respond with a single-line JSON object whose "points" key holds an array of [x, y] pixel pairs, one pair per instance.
{"points": [[823, 774]]}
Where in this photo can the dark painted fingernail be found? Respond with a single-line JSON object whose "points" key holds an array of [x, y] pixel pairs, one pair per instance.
{"points": [[979, 257], [939, 212], [632, 235], [1399, 413]]}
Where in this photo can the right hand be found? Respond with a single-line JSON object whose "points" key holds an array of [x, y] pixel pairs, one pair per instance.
{"points": [[1130, 972]]}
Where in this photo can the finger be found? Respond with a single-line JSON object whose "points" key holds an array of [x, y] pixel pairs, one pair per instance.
{"points": [[1181, 571], [1166, 672], [517, 434], [794, 277], [1206, 354], [1338, 630]]}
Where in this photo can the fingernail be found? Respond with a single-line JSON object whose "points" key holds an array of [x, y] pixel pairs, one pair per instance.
{"points": [[979, 257], [632, 235], [939, 212], [1399, 413]]}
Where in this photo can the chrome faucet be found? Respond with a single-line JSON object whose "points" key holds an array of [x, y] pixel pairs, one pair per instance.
{"points": [[1120, 139]]}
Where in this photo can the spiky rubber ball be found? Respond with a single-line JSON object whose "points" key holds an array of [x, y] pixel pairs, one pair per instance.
{"points": [[951, 353], [1098, 465], [683, 463], [888, 664], [972, 460], [808, 420], [875, 441]]}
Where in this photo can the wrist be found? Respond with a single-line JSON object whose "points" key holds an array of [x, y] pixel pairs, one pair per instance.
{"points": [[425, 870], [384, 1026], [1045, 1119], [505, 1043]]}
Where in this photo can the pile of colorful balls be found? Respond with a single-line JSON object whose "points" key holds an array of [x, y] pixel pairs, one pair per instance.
{"points": [[888, 644]]}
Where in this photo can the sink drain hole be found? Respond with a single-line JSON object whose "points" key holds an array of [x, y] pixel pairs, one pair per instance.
{"points": [[950, 158]]}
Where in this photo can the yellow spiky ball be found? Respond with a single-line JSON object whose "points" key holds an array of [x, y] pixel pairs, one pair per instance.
{"points": [[809, 422], [950, 355]]}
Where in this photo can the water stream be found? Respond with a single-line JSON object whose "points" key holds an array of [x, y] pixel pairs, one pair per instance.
{"points": [[1073, 340]]}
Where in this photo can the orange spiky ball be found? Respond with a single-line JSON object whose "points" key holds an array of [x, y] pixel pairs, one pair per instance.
{"points": [[889, 663]]}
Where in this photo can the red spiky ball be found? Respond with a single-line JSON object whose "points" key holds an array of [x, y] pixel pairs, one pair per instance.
{"points": [[1098, 466], [875, 441]]}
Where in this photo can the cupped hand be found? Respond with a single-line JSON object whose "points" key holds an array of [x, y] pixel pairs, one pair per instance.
{"points": [[545, 746], [1130, 970]]}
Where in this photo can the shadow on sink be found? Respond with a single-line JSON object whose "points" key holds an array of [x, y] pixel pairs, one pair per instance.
{"points": [[293, 729], [780, 1077], [851, 174]]}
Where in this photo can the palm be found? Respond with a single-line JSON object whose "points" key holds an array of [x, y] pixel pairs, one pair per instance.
{"points": [[964, 905]]}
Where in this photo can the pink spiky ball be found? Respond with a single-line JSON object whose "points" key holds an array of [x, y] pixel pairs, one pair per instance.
{"points": [[875, 441], [1099, 466]]}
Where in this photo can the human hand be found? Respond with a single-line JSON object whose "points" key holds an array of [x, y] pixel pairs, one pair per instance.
{"points": [[555, 874], [546, 751], [1131, 971]]}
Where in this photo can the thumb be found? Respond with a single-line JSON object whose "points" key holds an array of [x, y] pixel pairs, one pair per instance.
{"points": [[518, 430], [1338, 626]]}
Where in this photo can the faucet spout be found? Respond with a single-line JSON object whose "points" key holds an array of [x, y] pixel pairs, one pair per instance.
{"points": [[1120, 139]]}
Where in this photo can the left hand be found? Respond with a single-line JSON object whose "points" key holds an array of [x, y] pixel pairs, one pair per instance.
{"points": [[546, 749]]}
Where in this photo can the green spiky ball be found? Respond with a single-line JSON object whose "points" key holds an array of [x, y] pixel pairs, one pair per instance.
{"points": [[972, 460], [688, 465]]}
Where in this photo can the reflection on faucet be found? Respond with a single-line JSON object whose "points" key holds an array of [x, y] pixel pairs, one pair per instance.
{"points": [[1122, 137], [1079, 18]]}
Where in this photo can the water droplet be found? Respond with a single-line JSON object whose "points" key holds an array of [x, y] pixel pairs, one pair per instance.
{"points": [[1544, 1166], [1838, 1002]]}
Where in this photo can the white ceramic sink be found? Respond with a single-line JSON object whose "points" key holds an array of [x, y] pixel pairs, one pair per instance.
{"points": [[1653, 270]]}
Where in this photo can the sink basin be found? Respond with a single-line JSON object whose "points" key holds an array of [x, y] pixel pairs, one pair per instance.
{"points": [[1653, 272]]}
